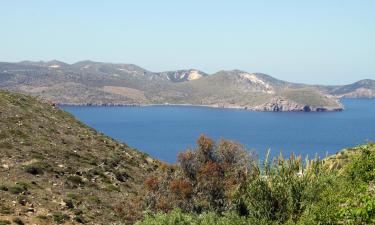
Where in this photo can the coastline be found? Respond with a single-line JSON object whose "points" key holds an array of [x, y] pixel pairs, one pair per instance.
{"points": [[216, 106]]}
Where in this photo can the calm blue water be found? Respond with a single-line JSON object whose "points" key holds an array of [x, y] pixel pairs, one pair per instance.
{"points": [[163, 131]]}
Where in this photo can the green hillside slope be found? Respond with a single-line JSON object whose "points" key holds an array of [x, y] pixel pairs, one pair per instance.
{"points": [[54, 169]]}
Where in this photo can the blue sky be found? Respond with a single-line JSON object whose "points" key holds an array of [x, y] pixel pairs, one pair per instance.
{"points": [[320, 41]]}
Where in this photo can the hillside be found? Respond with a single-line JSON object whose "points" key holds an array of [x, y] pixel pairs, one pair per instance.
{"points": [[342, 158], [239, 89], [360, 89], [54, 169], [96, 83]]}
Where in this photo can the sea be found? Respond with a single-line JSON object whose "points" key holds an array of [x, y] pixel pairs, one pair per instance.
{"points": [[164, 131]]}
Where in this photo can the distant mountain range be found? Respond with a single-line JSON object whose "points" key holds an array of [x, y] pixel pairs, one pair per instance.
{"points": [[97, 83]]}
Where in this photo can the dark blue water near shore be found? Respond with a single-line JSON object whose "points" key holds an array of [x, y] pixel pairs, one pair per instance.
{"points": [[163, 131]]}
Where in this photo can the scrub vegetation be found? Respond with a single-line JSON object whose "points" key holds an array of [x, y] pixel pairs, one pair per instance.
{"points": [[223, 184]]}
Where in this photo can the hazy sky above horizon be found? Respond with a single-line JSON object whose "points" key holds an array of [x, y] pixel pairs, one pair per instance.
{"points": [[326, 42]]}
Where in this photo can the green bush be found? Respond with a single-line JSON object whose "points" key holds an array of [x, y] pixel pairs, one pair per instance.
{"points": [[111, 187], [79, 219], [363, 166], [37, 168], [76, 180], [17, 188], [6, 210], [4, 222], [59, 217], [360, 209], [3, 188], [283, 191], [18, 221], [42, 217], [350, 197], [177, 217], [121, 175], [69, 203]]}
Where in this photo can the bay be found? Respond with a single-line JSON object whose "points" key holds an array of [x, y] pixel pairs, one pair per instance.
{"points": [[163, 131]]}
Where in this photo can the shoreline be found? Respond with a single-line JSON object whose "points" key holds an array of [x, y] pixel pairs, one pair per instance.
{"points": [[318, 109]]}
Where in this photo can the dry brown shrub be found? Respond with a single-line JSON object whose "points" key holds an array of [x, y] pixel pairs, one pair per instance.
{"points": [[181, 187], [152, 183]]}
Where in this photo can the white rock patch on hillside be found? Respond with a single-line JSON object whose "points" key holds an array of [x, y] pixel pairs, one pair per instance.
{"points": [[194, 75], [255, 80]]}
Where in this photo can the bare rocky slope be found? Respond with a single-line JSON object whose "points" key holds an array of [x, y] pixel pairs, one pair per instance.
{"points": [[96, 83], [54, 169]]}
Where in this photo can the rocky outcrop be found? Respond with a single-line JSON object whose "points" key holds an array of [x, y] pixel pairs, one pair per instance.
{"points": [[282, 105], [182, 75]]}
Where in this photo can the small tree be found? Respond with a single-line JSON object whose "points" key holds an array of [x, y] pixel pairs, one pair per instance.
{"points": [[205, 178]]}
